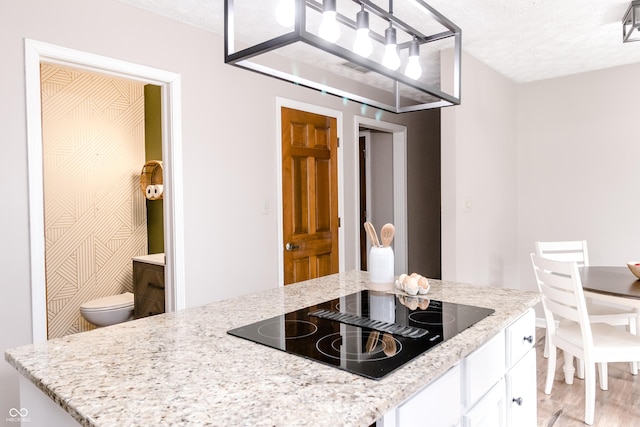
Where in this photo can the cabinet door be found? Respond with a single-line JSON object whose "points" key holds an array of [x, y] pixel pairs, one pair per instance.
{"points": [[521, 392], [482, 369], [438, 404], [490, 409], [148, 289]]}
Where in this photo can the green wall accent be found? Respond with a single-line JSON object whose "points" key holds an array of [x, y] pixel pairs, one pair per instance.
{"points": [[153, 151]]}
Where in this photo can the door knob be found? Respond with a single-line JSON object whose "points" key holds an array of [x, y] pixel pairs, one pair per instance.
{"points": [[289, 247]]}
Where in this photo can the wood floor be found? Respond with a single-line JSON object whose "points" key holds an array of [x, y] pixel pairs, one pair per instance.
{"points": [[617, 407]]}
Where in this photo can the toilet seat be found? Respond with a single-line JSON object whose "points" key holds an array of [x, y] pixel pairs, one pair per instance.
{"points": [[113, 302]]}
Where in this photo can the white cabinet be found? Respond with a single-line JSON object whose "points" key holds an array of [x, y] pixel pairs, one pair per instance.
{"points": [[490, 411], [520, 336], [438, 405], [482, 369], [521, 392], [495, 386], [520, 378]]}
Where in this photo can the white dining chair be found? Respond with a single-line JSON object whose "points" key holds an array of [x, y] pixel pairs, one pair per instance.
{"points": [[564, 305], [576, 251]]}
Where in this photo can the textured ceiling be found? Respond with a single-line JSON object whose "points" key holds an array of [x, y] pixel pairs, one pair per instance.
{"points": [[525, 40]]}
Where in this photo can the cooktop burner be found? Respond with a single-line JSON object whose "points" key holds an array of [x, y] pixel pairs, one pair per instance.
{"points": [[367, 333]]}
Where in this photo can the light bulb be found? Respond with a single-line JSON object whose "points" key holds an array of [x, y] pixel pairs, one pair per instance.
{"points": [[413, 70], [391, 59], [329, 29], [286, 13], [362, 45]]}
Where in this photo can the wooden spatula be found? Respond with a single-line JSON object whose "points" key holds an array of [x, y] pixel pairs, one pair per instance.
{"points": [[371, 231], [387, 233]]}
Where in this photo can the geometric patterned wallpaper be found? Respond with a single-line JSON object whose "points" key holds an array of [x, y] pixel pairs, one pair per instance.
{"points": [[94, 211]]}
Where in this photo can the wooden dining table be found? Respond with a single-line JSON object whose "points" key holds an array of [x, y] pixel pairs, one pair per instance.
{"points": [[613, 284]]}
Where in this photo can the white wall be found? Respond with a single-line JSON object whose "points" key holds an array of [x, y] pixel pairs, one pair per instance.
{"points": [[229, 136], [578, 165], [479, 161], [381, 175]]}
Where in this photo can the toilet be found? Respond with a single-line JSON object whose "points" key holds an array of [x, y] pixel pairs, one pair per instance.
{"points": [[108, 310]]}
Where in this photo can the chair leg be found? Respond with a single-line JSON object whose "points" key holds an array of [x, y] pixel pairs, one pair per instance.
{"points": [[580, 364], [589, 393], [551, 370], [604, 376], [633, 330], [568, 368], [546, 346]]}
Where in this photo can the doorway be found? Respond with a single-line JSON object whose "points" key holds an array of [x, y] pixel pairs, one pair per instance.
{"points": [[96, 133], [376, 185], [37, 53], [395, 198]]}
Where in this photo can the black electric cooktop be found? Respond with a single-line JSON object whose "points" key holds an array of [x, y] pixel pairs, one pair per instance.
{"points": [[367, 333]]}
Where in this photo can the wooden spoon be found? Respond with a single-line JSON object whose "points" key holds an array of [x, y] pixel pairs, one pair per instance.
{"points": [[387, 233], [371, 231], [372, 341], [389, 345]]}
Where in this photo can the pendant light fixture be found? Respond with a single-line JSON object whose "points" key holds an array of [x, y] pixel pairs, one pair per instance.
{"points": [[363, 45], [413, 70], [352, 49], [631, 23], [329, 28], [286, 13], [391, 59]]}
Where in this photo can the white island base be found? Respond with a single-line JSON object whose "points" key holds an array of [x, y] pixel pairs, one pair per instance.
{"points": [[182, 368], [495, 386], [41, 410]]}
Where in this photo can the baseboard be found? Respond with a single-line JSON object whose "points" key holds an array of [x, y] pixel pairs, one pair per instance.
{"points": [[541, 323]]}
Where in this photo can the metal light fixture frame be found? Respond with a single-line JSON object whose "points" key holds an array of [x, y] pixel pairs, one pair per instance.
{"points": [[631, 23], [242, 58]]}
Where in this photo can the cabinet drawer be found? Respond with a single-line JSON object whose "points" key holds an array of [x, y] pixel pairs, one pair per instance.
{"points": [[521, 336], [483, 368], [438, 404]]}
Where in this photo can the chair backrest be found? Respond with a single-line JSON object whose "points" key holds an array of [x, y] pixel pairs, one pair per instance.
{"points": [[574, 250], [562, 294]]}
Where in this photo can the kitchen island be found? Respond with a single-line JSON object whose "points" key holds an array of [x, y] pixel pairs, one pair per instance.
{"points": [[183, 368]]}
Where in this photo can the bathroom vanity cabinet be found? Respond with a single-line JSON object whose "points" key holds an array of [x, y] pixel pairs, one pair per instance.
{"points": [[148, 285]]}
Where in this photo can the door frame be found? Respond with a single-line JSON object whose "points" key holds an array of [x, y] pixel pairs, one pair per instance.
{"points": [[399, 141], [37, 52], [297, 105]]}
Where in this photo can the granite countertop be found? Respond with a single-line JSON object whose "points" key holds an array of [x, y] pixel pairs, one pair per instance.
{"points": [[182, 368]]}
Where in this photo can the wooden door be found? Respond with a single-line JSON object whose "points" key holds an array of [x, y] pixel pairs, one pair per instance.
{"points": [[309, 195]]}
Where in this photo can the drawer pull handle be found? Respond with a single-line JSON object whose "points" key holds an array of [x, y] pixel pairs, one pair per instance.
{"points": [[517, 400], [528, 339]]}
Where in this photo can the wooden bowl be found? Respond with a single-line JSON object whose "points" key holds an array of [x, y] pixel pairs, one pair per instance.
{"points": [[635, 268]]}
